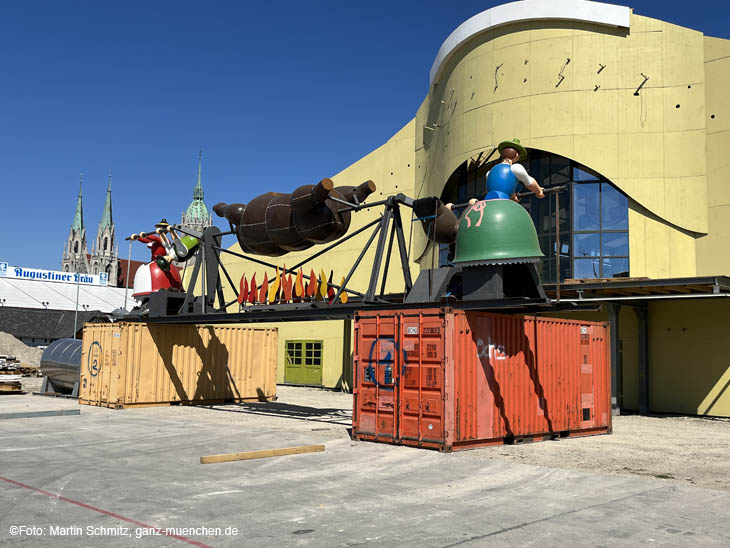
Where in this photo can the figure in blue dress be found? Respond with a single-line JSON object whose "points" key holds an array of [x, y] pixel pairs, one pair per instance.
{"points": [[504, 178]]}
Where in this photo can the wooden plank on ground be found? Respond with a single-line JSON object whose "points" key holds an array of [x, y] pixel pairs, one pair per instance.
{"points": [[33, 414], [266, 453]]}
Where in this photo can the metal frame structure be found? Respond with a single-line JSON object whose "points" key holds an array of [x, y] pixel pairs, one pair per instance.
{"points": [[168, 306]]}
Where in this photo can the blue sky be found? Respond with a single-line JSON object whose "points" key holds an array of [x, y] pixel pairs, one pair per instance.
{"points": [[276, 95]]}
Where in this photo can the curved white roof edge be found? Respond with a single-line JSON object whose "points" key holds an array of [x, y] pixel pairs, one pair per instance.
{"points": [[528, 10]]}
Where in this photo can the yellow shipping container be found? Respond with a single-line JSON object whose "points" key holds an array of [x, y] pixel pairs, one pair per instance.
{"points": [[134, 364]]}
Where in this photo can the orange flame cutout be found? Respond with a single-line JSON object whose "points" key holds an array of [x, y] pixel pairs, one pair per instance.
{"points": [[243, 290], [286, 286], [343, 295], [312, 285], [274, 288], [264, 289], [253, 292], [299, 285]]}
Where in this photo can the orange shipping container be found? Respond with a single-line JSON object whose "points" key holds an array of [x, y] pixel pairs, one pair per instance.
{"points": [[453, 379], [126, 364]]}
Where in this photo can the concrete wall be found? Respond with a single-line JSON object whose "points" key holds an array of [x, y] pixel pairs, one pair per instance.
{"points": [[712, 256], [689, 357]]}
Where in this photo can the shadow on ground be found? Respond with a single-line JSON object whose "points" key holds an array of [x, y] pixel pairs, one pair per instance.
{"points": [[331, 415]]}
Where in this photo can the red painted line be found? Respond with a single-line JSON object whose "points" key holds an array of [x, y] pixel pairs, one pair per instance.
{"points": [[112, 514]]}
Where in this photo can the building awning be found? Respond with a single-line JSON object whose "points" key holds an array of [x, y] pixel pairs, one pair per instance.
{"points": [[640, 289]]}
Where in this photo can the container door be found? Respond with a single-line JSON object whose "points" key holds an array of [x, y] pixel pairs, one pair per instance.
{"points": [[421, 380], [376, 376]]}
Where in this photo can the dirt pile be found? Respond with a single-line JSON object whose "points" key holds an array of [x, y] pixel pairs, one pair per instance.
{"points": [[10, 346]]}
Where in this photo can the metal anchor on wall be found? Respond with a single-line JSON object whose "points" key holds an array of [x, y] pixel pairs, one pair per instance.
{"points": [[646, 78], [496, 76], [561, 76]]}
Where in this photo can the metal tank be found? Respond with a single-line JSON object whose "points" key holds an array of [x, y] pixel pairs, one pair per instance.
{"points": [[61, 363]]}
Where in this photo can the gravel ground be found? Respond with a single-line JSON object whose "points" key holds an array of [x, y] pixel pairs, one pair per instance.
{"points": [[678, 450], [686, 450]]}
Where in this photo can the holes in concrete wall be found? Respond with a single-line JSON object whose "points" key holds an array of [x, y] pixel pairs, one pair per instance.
{"points": [[677, 106], [713, 116]]}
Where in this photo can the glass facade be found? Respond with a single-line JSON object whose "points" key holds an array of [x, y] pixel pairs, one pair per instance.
{"points": [[592, 216]]}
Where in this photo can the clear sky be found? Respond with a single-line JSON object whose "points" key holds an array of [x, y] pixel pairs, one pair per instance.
{"points": [[276, 94]]}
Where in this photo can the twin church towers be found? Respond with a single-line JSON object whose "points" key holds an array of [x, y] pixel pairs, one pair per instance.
{"points": [[104, 256]]}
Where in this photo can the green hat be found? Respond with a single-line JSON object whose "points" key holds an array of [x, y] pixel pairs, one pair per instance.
{"points": [[515, 144]]}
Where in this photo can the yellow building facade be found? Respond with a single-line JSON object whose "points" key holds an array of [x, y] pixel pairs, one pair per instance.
{"points": [[638, 103]]}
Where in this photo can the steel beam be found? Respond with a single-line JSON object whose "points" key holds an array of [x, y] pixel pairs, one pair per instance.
{"points": [[642, 314], [616, 373]]}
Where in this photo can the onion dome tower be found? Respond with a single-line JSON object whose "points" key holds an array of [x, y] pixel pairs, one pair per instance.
{"points": [[197, 216]]}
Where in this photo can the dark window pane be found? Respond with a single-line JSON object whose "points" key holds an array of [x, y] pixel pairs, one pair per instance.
{"points": [[615, 268], [540, 169], [565, 269], [586, 268], [547, 245], [616, 244], [481, 185], [586, 206], [586, 245], [582, 175], [542, 214], [559, 171], [615, 208], [547, 271], [564, 214]]}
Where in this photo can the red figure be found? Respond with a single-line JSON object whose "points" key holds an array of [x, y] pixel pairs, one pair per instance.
{"points": [[150, 277]]}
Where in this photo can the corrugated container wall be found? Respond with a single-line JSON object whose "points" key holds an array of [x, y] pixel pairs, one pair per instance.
{"points": [[453, 379], [126, 364]]}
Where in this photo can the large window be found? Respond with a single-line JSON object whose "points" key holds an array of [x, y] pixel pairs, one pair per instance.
{"points": [[592, 216]]}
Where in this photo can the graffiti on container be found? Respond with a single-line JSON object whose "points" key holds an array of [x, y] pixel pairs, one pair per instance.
{"points": [[93, 362], [490, 350], [371, 374]]}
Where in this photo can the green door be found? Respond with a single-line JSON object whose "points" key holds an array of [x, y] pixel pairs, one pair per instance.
{"points": [[303, 362]]}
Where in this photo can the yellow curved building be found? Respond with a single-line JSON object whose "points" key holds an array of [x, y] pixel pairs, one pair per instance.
{"points": [[624, 112]]}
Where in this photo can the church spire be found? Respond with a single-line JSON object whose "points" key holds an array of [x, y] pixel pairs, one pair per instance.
{"points": [[197, 216], [106, 216], [78, 223], [198, 190]]}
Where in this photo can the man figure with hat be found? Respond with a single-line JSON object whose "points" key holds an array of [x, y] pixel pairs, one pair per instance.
{"points": [[153, 241], [502, 179], [149, 277]]}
